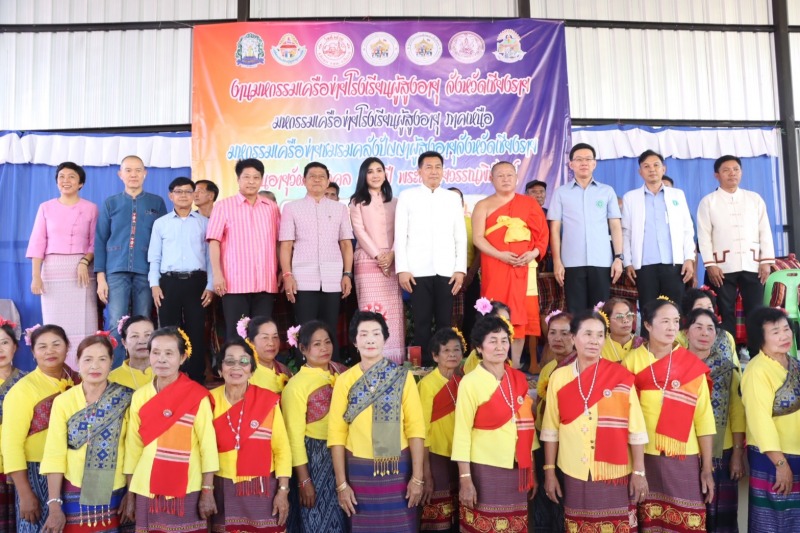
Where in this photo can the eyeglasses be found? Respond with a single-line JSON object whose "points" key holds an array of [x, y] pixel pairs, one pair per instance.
{"points": [[242, 362], [182, 191], [583, 159], [623, 318]]}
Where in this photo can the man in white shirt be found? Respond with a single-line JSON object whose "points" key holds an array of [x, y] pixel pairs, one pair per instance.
{"points": [[430, 246], [657, 234], [735, 238]]}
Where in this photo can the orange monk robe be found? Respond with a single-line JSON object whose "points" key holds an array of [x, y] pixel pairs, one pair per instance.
{"points": [[519, 226]]}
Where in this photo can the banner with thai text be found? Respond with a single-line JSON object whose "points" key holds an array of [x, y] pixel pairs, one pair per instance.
{"points": [[288, 93]]}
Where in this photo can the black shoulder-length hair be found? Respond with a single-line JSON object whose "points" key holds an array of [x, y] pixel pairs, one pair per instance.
{"points": [[362, 195]]}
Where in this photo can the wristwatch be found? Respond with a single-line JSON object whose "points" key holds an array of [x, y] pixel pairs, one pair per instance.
{"points": [[619, 256], [780, 463], [348, 274]]}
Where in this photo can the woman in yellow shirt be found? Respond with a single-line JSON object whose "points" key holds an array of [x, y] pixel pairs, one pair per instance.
{"points": [[674, 395], [438, 392], [306, 401], [701, 328], [170, 447], [494, 437], [771, 396], [26, 415], [86, 445], [270, 373], [135, 371], [485, 308], [620, 339], [251, 488], [376, 435], [595, 428], [8, 377]]}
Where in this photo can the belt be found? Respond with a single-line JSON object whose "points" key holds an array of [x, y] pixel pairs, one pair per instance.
{"points": [[184, 275]]}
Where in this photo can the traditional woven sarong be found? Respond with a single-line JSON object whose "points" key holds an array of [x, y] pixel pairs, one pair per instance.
{"points": [[441, 513], [501, 506], [373, 287], [79, 316], [722, 514], [39, 485], [770, 512], [155, 520], [8, 515], [382, 504], [78, 521], [244, 513], [597, 507], [675, 501], [326, 515]]}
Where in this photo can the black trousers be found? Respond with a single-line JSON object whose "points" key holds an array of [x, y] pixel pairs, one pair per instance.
{"points": [[182, 306], [318, 305], [431, 300], [585, 286], [752, 296], [653, 281], [251, 304], [471, 295]]}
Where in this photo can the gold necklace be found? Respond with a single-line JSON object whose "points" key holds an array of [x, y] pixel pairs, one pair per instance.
{"points": [[133, 377]]}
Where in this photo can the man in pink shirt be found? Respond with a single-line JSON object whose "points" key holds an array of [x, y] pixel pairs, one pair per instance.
{"points": [[316, 251], [242, 242]]}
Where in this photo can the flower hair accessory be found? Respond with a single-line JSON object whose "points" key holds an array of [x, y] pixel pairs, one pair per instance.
{"points": [[29, 333], [460, 338], [706, 288], [508, 324], [252, 347], [186, 340], [483, 306], [292, 336], [665, 298], [107, 335], [4, 322], [376, 308], [598, 306], [121, 323], [552, 315], [241, 326], [605, 317]]}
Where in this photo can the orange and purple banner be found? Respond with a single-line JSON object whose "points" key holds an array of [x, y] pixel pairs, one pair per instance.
{"points": [[288, 93]]}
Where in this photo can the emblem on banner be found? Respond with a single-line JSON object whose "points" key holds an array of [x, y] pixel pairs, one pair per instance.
{"points": [[334, 49], [288, 51], [509, 47], [423, 48], [380, 49], [466, 47], [250, 51]]}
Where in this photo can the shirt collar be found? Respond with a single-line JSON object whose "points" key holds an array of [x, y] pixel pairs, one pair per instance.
{"points": [[574, 182], [176, 215], [647, 191], [241, 199]]}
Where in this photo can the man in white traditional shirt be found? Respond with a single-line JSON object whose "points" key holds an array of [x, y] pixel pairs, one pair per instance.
{"points": [[735, 238], [430, 249]]}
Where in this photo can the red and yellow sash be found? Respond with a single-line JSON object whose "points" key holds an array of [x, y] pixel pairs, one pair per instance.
{"points": [[169, 418], [611, 393], [680, 397], [41, 411], [495, 413], [443, 402]]}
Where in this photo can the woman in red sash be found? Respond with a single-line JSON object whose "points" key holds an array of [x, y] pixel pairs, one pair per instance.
{"points": [[494, 436], [26, 417], [170, 449], [438, 392], [8, 376], [594, 425], [674, 395], [251, 488]]}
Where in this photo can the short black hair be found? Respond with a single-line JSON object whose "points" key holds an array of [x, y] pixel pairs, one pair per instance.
{"points": [[441, 338], [49, 328], [458, 192], [131, 321], [11, 333], [483, 327], [425, 155], [170, 331], [694, 314], [649, 313], [72, 166], [667, 178], [217, 366], [308, 330], [724, 159], [367, 316], [535, 183], [583, 316], [249, 163], [335, 186], [181, 181], [649, 153], [255, 323], [582, 146], [316, 164], [692, 295], [756, 321], [210, 187], [498, 306]]}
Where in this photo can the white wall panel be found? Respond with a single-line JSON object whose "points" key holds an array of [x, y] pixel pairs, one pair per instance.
{"points": [[382, 8], [685, 11], [95, 79], [673, 75], [100, 11]]}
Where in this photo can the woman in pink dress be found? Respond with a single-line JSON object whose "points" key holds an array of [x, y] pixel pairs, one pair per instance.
{"points": [[62, 249], [372, 216]]}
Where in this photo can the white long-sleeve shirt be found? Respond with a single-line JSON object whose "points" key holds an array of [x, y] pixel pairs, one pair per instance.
{"points": [[430, 235]]}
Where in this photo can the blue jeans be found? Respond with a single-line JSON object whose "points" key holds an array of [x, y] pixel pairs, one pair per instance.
{"points": [[128, 294]]}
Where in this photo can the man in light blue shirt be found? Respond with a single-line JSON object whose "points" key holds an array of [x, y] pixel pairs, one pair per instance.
{"points": [[582, 213], [180, 269]]}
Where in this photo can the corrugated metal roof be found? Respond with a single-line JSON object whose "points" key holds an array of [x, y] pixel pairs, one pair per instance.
{"points": [[100, 11], [382, 8]]}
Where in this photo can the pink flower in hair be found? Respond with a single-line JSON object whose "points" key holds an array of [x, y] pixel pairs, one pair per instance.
{"points": [[598, 306], [29, 332], [292, 335], [241, 326], [483, 306], [121, 323], [552, 314]]}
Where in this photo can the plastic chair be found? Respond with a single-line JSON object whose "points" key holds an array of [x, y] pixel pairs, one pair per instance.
{"points": [[791, 280]]}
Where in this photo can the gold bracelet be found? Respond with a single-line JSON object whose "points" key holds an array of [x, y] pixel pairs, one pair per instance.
{"points": [[416, 481], [342, 487], [549, 467], [465, 475]]}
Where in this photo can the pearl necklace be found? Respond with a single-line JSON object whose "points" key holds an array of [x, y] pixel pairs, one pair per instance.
{"points": [[653, 373], [236, 432], [452, 396], [580, 388], [507, 399]]}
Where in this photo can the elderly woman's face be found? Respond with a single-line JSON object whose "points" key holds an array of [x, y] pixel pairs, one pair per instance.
{"points": [[50, 352], [165, 356], [94, 364], [559, 338], [777, 337], [589, 339], [494, 348], [7, 349], [267, 342], [237, 366], [369, 340]]}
